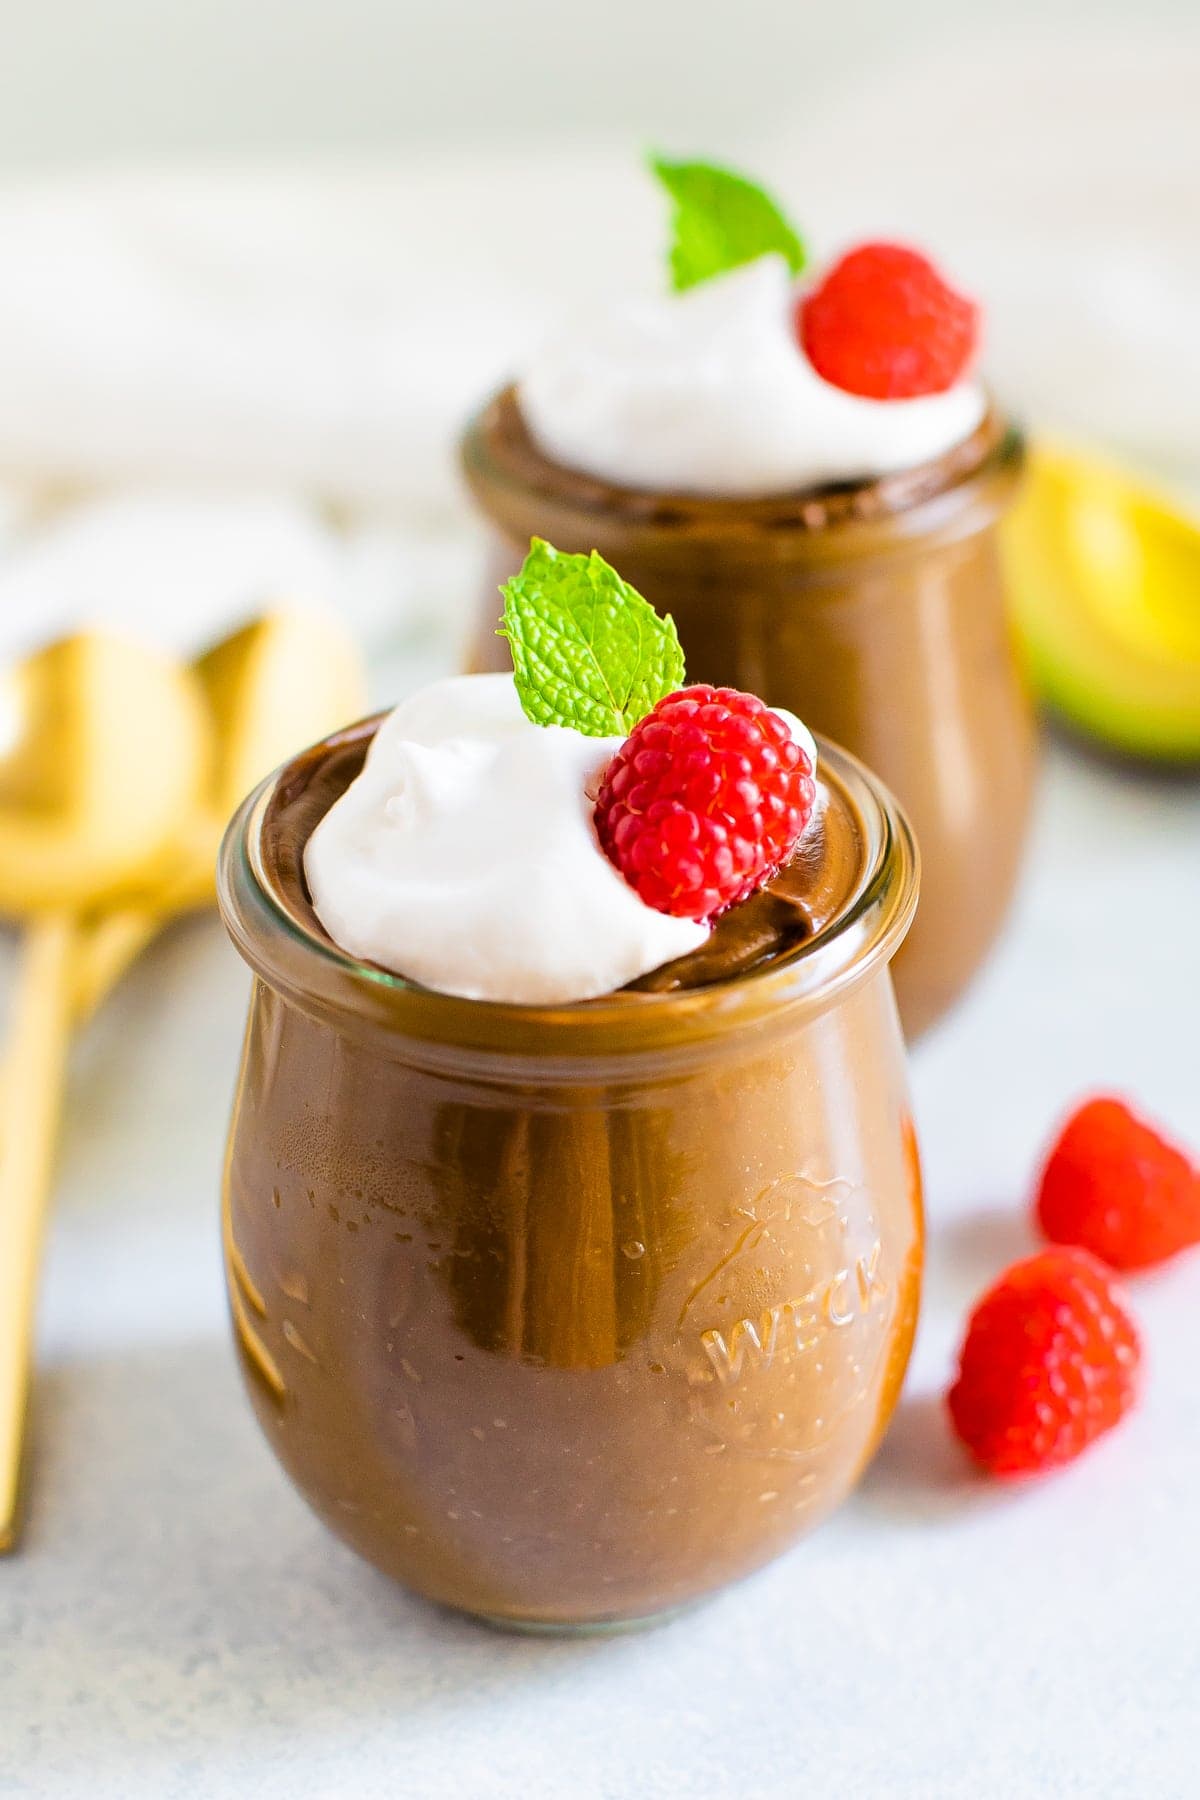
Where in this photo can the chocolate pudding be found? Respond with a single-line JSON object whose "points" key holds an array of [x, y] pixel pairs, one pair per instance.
{"points": [[873, 610], [566, 1316]]}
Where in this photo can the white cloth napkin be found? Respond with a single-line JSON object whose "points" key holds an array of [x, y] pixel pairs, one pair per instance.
{"points": [[324, 330]]}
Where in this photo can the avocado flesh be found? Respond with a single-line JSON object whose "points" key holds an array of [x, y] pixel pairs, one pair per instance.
{"points": [[1104, 579]]}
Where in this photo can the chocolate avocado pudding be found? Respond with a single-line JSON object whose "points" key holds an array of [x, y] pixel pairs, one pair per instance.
{"points": [[873, 610], [567, 1313], [795, 906], [805, 470], [574, 1316]]}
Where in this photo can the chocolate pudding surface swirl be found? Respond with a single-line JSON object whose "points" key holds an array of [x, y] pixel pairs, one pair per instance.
{"points": [[793, 908]]}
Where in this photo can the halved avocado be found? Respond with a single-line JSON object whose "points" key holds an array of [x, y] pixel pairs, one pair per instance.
{"points": [[1104, 583]]}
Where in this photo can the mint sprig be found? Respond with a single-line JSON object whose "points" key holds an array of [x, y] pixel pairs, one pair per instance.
{"points": [[588, 652], [720, 221]]}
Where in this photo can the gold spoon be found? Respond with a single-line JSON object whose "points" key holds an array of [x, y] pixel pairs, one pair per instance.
{"points": [[278, 684], [1104, 575], [103, 754]]}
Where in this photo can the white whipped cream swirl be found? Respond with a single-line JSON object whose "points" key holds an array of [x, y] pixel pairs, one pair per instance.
{"points": [[464, 856], [710, 392]]}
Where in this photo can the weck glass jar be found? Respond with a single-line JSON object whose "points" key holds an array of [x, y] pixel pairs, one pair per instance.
{"points": [[567, 1316], [875, 611]]}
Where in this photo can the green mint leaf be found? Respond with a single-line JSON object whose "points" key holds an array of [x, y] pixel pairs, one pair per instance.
{"points": [[588, 652], [720, 221]]}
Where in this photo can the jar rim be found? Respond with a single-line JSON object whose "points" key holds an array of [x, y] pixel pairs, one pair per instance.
{"points": [[949, 495], [314, 972]]}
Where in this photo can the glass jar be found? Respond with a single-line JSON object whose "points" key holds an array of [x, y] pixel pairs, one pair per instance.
{"points": [[875, 612], [567, 1316]]}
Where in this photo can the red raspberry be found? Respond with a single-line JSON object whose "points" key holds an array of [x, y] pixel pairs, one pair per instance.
{"points": [[883, 323], [1049, 1363], [704, 800], [1114, 1186]]}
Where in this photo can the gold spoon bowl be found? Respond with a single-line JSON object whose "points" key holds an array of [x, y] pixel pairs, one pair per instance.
{"points": [[283, 681]]}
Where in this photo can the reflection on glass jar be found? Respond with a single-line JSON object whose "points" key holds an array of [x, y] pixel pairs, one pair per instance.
{"points": [[568, 1316], [874, 611]]}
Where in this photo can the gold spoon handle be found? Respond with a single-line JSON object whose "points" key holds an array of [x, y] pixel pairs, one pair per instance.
{"points": [[106, 950], [111, 943], [30, 1102]]}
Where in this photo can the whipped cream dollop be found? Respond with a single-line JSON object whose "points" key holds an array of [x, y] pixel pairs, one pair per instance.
{"points": [[463, 856], [710, 392]]}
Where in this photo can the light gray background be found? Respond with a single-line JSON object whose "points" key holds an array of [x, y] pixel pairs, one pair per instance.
{"points": [[80, 79]]}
